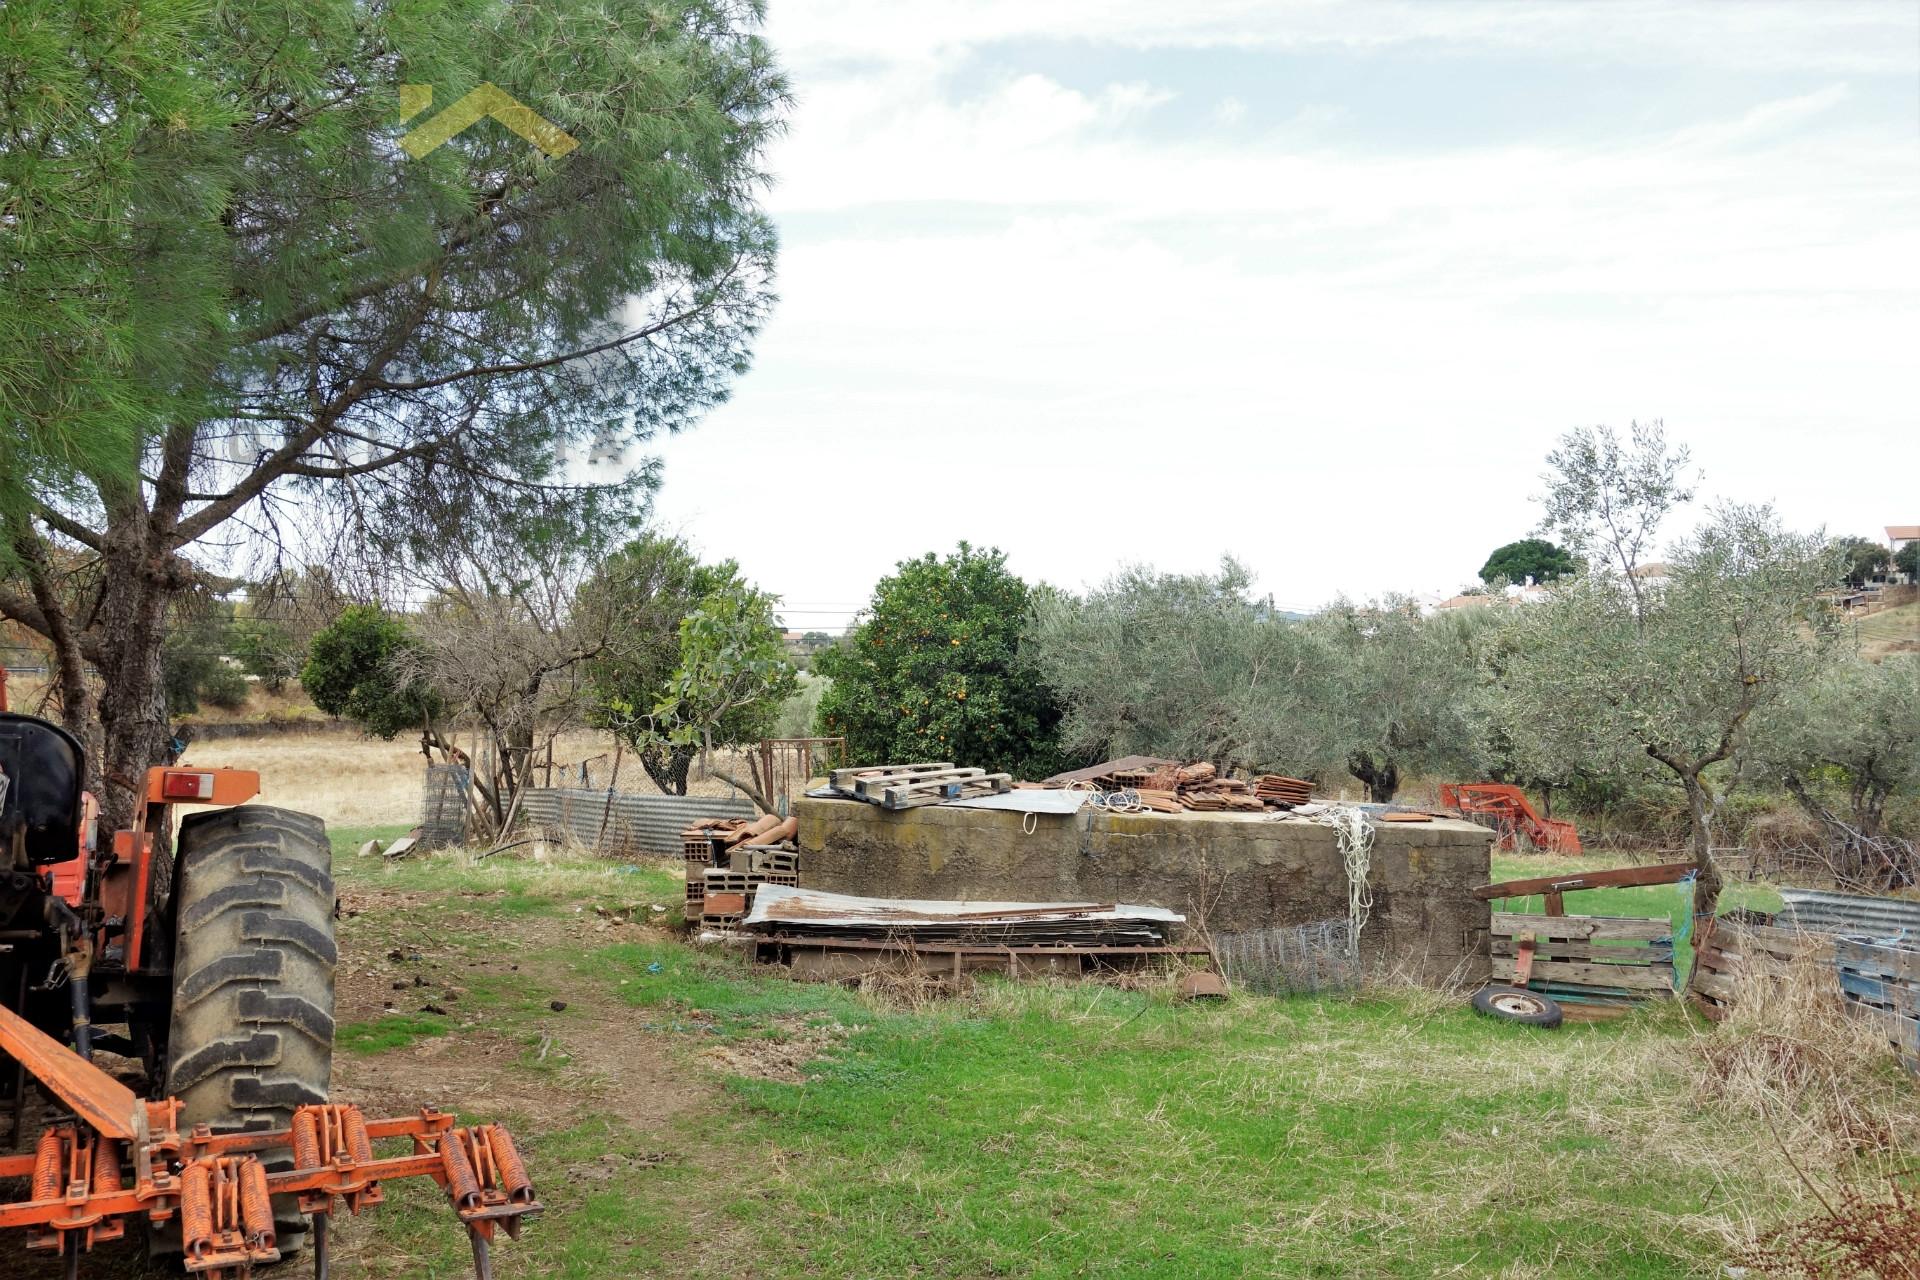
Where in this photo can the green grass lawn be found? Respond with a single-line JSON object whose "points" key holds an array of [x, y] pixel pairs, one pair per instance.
{"points": [[1061, 1130]]}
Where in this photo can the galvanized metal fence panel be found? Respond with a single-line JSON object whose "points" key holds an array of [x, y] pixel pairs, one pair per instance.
{"points": [[632, 824], [443, 807]]}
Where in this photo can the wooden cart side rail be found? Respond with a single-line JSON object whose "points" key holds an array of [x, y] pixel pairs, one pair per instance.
{"points": [[1615, 878]]}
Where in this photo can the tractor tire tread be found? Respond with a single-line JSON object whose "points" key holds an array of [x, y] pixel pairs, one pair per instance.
{"points": [[252, 1028]]}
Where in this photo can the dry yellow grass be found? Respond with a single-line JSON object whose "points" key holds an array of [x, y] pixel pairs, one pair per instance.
{"points": [[345, 779], [352, 781]]}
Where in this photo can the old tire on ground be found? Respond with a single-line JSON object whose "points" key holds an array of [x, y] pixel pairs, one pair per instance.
{"points": [[1514, 1004], [254, 957]]}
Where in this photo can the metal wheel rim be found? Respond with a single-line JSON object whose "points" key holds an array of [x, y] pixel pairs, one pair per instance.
{"points": [[1518, 1004]]}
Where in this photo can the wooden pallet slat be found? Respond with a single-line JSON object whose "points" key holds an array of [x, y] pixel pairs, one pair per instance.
{"points": [[841, 779], [1866, 957], [1580, 928], [1656, 978], [1575, 881], [1559, 949]]}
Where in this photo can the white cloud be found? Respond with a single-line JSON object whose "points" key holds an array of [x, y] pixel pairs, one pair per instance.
{"points": [[1833, 35], [1090, 340]]}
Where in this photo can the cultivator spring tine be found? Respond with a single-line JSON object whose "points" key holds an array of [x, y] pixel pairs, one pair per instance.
{"points": [[482, 1255], [216, 1188]]}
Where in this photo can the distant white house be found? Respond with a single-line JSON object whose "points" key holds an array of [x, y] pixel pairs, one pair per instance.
{"points": [[1654, 573], [1898, 536]]}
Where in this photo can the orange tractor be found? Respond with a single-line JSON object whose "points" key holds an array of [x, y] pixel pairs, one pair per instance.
{"points": [[201, 954], [1505, 808]]}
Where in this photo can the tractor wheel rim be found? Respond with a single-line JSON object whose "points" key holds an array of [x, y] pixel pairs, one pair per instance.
{"points": [[1518, 1004]]}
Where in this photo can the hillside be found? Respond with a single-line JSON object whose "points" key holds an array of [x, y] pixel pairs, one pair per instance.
{"points": [[1895, 630]]}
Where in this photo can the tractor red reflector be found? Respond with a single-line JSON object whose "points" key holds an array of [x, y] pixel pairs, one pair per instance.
{"points": [[187, 786]]}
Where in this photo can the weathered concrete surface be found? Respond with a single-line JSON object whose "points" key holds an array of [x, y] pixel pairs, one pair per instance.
{"points": [[1229, 873]]}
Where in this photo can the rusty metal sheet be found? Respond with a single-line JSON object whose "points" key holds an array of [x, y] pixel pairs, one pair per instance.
{"points": [[1094, 773]]}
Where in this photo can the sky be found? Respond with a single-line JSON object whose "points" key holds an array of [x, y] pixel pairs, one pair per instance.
{"points": [[1313, 284]]}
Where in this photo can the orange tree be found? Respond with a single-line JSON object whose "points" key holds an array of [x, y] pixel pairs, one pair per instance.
{"points": [[935, 671]]}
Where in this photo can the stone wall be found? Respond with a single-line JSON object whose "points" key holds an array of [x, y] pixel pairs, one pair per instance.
{"points": [[1234, 873]]}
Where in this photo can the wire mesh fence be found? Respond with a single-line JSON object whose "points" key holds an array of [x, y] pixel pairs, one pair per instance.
{"points": [[1291, 960], [443, 806]]}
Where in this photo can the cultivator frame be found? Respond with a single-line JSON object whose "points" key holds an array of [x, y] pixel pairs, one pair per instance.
{"points": [[1508, 811], [215, 1188]]}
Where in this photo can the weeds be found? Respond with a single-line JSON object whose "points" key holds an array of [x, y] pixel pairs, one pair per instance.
{"points": [[1856, 1236]]}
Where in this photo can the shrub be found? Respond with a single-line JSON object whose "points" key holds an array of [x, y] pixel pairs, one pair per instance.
{"points": [[936, 672], [364, 667], [225, 687]]}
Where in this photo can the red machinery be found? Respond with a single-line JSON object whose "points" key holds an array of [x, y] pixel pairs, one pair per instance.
{"points": [[203, 950], [1510, 813]]}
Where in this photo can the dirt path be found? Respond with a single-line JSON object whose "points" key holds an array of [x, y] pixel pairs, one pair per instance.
{"points": [[509, 1056], [612, 1065]]}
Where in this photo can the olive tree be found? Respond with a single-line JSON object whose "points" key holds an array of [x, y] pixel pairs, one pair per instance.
{"points": [[1188, 666], [1855, 731], [649, 587], [732, 677], [1665, 680], [1608, 497], [1402, 692]]}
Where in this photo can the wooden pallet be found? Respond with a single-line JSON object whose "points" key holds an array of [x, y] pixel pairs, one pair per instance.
{"points": [[1732, 955], [1882, 982], [909, 786], [844, 780], [910, 795], [1602, 958]]}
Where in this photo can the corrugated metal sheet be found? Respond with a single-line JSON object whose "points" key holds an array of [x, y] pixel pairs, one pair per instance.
{"points": [[635, 824], [783, 904], [1855, 915], [1027, 800]]}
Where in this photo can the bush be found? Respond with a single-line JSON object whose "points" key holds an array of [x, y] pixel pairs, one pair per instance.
{"points": [[936, 672], [225, 687], [365, 667]]}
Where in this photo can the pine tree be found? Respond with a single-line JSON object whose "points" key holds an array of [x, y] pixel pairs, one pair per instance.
{"points": [[241, 323]]}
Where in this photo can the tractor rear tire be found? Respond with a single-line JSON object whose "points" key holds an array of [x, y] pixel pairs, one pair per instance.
{"points": [[254, 958]]}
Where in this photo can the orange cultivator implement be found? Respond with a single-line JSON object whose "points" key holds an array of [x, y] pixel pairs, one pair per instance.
{"points": [[201, 951], [1510, 814], [120, 1158]]}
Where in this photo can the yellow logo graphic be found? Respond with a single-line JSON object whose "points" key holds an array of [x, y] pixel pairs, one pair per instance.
{"points": [[487, 100]]}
